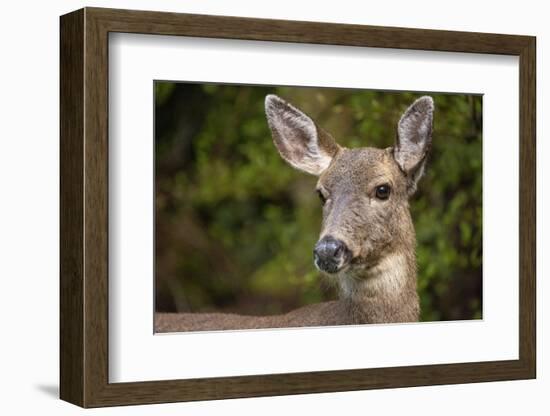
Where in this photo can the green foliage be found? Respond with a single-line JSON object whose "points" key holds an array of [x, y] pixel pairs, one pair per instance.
{"points": [[235, 225]]}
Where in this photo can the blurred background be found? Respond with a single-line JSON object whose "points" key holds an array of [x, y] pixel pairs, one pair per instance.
{"points": [[236, 226]]}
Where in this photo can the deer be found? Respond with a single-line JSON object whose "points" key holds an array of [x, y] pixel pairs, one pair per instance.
{"points": [[367, 243]]}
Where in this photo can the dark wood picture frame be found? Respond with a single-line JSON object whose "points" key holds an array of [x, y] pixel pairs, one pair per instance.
{"points": [[84, 207]]}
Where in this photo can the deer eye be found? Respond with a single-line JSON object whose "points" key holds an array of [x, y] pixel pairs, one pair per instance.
{"points": [[321, 196], [383, 191]]}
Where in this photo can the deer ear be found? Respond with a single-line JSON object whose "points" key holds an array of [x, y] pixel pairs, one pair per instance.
{"points": [[414, 139], [299, 141]]}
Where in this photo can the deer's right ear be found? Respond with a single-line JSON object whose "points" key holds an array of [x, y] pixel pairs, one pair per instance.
{"points": [[414, 138], [299, 141]]}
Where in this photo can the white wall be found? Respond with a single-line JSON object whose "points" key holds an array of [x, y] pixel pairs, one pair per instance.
{"points": [[29, 209]]}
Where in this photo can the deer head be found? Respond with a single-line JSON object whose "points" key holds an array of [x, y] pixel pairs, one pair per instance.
{"points": [[364, 191]]}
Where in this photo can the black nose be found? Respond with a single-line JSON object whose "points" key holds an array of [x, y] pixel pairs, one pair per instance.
{"points": [[330, 254]]}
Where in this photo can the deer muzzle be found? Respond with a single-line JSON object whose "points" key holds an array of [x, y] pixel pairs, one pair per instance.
{"points": [[330, 255]]}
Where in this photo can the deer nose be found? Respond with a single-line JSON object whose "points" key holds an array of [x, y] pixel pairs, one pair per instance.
{"points": [[330, 254]]}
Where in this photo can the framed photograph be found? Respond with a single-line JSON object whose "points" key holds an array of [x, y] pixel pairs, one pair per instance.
{"points": [[255, 207]]}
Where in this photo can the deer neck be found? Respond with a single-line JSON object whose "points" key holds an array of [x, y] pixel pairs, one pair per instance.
{"points": [[384, 291]]}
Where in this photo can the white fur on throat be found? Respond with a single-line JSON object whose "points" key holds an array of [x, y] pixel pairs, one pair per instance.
{"points": [[388, 276]]}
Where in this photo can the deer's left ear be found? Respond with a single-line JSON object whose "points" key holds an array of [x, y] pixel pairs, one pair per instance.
{"points": [[414, 138], [299, 141]]}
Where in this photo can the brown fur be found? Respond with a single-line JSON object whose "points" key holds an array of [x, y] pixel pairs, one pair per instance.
{"points": [[378, 283]]}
